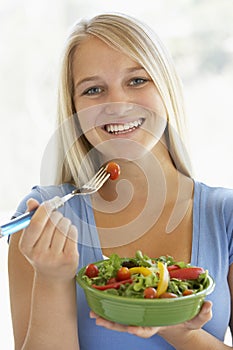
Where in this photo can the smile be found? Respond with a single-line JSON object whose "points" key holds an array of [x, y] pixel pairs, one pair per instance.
{"points": [[117, 128]]}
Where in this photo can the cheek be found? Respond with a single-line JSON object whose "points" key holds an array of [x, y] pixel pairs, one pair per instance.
{"points": [[92, 137], [152, 100], [86, 124], [89, 117], [89, 120]]}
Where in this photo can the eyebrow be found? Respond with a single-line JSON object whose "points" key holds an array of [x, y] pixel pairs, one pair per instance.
{"points": [[96, 77], [87, 79]]}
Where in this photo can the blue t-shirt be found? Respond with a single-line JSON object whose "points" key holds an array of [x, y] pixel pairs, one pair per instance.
{"points": [[212, 248]]}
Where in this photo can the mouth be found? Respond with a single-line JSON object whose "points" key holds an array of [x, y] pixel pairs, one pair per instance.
{"points": [[123, 128]]}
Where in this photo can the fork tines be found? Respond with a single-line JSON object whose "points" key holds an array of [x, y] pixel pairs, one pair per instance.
{"points": [[98, 180]]}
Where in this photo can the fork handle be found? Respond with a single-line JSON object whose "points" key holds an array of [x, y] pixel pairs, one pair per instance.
{"points": [[16, 224], [24, 220]]}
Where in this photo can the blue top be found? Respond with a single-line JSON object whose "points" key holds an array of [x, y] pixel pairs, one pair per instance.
{"points": [[212, 248]]}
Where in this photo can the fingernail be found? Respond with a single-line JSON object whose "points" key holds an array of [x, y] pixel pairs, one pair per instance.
{"points": [[207, 308]]}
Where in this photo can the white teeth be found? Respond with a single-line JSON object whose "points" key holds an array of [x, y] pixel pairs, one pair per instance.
{"points": [[117, 128]]}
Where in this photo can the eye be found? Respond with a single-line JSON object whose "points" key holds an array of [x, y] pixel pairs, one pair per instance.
{"points": [[95, 90], [138, 81]]}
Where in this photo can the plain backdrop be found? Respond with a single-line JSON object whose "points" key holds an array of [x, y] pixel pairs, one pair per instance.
{"points": [[199, 35]]}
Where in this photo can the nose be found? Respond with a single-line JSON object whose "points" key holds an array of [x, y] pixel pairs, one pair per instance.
{"points": [[118, 102], [117, 108], [116, 94]]}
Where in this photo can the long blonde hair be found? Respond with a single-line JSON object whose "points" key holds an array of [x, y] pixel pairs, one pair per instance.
{"points": [[139, 42]]}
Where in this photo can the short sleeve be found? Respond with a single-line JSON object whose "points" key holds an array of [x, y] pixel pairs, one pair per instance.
{"points": [[35, 194], [229, 225], [41, 194]]}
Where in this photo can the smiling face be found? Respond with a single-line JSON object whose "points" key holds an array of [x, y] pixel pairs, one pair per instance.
{"points": [[119, 108]]}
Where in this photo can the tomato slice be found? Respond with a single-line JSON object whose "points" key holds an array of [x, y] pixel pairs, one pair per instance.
{"points": [[113, 169]]}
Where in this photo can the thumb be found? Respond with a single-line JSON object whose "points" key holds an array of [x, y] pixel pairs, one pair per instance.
{"points": [[203, 317], [32, 204]]}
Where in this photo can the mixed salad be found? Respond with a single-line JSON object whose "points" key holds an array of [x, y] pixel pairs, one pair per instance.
{"points": [[144, 277]]}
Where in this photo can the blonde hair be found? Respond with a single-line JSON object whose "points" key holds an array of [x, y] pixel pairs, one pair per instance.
{"points": [[139, 42]]}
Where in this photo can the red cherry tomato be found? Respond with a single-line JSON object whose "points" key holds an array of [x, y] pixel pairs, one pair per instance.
{"points": [[91, 271], [150, 293], [113, 169], [123, 274]]}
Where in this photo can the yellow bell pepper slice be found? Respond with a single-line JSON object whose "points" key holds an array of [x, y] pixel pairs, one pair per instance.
{"points": [[163, 278], [141, 269]]}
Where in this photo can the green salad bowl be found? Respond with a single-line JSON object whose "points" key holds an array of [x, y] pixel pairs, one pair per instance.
{"points": [[143, 312]]}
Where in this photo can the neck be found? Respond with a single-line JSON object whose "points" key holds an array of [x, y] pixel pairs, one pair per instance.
{"points": [[147, 192], [153, 169]]}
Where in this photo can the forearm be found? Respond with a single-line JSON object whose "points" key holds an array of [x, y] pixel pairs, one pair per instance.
{"points": [[194, 339], [53, 320]]}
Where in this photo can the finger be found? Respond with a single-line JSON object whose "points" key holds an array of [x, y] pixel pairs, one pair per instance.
{"points": [[143, 332], [72, 239], [32, 204], [203, 317], [45, 240], [60, 235], [111, 325], [108, 324], [33, 232]]}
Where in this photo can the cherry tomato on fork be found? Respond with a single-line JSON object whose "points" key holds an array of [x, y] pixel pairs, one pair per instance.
{"points": [[113, 169]]}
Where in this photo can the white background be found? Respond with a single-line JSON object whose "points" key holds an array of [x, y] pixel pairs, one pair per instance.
{"points": [[199, 35]]}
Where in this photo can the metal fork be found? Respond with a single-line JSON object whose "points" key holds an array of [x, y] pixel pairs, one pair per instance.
{"points": [[92, 186]]}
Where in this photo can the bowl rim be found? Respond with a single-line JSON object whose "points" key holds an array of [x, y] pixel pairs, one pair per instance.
{"points": [[110, 296]]}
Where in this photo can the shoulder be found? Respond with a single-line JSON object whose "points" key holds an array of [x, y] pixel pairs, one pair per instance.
{"points": [[43, 193], [216, 202], [218, 195]]}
